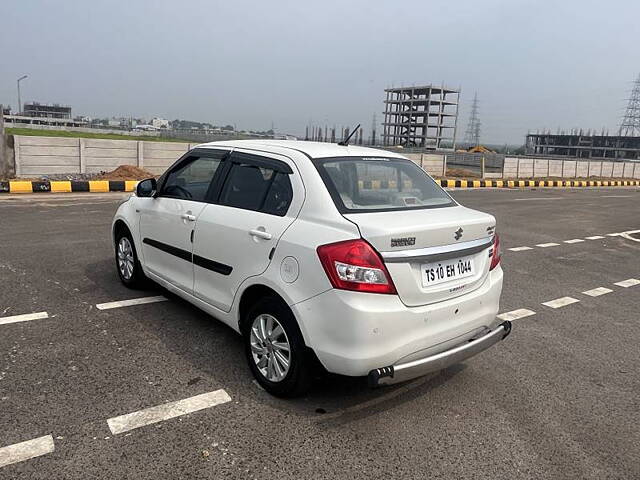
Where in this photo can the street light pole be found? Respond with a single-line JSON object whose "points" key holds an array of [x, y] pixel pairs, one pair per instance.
{"points": [[19, 100]]}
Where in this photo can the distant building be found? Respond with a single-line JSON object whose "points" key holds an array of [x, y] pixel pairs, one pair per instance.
{"points": [[424, 117], [583, 146], [39, 110], [146, 128], [160, 122]]}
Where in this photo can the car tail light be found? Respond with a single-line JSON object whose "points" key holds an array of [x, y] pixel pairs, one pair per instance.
{"points": [[495, 253], [355, 265]]}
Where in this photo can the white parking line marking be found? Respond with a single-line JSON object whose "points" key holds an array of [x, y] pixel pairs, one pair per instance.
{"points": [[560, 302], [516, 314], [23, 318], [545, 245], [151, 415], [628, 283], [596, 292], [537, 198], [614, 234], [128, 303], [520, 249], [20, 452], [574, 240], [628, 235], [595, 237]]}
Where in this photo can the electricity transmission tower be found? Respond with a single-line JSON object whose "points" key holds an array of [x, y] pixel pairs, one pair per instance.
{"points": [[472, 135], [630, 126]]}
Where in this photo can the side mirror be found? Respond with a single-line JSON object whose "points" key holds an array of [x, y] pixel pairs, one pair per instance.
{"points": [[146, 188]]}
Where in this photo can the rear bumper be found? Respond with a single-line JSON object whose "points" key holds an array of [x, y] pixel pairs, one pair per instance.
{"points": [[406, 371], [353, 333]]}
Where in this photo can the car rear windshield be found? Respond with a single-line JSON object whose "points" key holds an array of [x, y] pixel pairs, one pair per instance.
{"points": [[370, 184]]}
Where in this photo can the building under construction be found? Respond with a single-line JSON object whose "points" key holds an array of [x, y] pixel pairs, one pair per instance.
{"points": [[424, 117], [40, 110], [581, 145], [623, 146]]}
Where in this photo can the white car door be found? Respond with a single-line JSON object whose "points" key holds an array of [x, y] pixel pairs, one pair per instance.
{"points": [[234, 237], [167, 220]]}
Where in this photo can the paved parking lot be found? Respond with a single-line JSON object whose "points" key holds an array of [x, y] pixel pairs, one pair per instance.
{"points": [[85, 382]]}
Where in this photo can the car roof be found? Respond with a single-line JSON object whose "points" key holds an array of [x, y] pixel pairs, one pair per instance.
{"points": [[310, 149]]}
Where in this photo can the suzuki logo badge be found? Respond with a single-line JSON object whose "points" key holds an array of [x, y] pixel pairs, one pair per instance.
{"points": [[458, 234]]}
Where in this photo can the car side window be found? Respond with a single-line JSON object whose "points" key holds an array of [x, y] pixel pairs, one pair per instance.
{"points": [[191, 180], [258, 188]]}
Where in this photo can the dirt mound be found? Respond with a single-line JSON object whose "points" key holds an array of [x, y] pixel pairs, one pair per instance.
{"points": [[459, 173], [125, 172]]}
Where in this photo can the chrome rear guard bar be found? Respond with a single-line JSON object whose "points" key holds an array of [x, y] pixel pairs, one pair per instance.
{"points": [[406, 371]]}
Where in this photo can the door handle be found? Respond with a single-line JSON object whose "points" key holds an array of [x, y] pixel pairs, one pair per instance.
{"points": [[260, 234], [189, 217]]}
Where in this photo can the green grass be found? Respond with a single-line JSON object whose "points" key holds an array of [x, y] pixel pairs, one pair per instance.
{"points": [[107, 136]]}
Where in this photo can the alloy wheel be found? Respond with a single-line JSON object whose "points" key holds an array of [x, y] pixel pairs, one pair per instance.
{"points": [[126, 262], [270, 348]]}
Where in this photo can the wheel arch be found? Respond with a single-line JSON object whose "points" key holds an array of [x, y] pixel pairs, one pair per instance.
{"points": [[118, 226], [252, 294], [259, 290]]}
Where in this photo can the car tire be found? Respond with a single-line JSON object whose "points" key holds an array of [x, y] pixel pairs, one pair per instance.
{"points": [[127, 262], [273, 313]]}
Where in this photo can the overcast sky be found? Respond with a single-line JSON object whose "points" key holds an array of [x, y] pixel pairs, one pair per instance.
{"points": [[534, 64]]}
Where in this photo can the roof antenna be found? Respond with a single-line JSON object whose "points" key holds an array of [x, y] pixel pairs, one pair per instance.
{"points": [[345, 142]]}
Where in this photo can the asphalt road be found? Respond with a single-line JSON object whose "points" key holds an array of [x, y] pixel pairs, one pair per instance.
{"points": [[558, 399]]}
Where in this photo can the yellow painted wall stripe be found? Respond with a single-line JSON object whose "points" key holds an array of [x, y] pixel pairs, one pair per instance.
{"points": [[476, 183], [98, 185], [451, 183], [20, 187], [59, 187]]}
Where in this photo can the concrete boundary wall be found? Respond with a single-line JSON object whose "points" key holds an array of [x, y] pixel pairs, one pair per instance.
{"points": [[433, 164], [522, 167], [41, 156]]}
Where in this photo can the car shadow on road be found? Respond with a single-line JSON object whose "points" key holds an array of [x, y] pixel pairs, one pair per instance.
{"points": [[341, 400], [104, 279], [217, 352]]}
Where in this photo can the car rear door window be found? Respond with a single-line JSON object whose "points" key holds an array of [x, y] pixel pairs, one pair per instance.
{"points": [[257, 187]]}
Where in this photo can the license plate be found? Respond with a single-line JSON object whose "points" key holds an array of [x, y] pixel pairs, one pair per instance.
{"points": [[446, 271]]}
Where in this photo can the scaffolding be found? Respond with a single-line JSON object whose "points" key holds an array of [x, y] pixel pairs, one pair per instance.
{"points": [[424, 117]]}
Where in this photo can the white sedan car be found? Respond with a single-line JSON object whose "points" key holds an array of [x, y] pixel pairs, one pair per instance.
{"points": [[320, 255]]}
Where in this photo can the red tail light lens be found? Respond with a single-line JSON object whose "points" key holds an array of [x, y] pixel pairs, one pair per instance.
{"points": [[495, 253], [355, 265]]}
